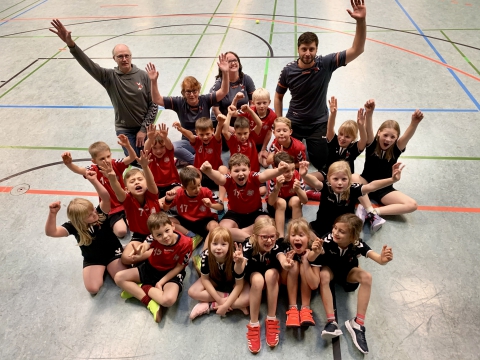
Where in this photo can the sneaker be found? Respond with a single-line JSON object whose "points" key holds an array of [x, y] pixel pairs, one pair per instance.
{"points": [[306, 318], [293, 318], [331, 330], [197, 239], [361, 213], [197, 263], [358, 335], [156, 310], [375, 222], [220, 214], [200, 309], [253, 338], [126, 295], [313, 195], [272, 332]]}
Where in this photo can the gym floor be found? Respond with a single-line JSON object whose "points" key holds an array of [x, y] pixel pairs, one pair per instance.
{"points": [[419, 54]]}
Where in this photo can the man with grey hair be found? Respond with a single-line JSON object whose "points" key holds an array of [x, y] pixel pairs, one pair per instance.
{"points": [[127, 86]]}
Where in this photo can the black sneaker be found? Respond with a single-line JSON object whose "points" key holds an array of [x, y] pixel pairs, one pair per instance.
{"points": [[331, 330], [358, 335]]}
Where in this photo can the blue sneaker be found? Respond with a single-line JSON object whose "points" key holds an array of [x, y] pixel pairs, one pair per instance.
{"points": [[358, 335]]}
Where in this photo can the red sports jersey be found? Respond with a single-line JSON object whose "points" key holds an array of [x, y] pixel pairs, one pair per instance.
{"points": [[163, 169], [192, 208], [165, 258], [211, 152], [248, 149], [286, 190], [137, 215], [244, 199], [267, 123], [296, 149], [119, 167]]}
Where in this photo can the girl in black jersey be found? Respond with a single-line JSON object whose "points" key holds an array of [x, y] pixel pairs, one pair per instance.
{"points": [[381, 154], [100, 247], [336, 258], [221, 287]]}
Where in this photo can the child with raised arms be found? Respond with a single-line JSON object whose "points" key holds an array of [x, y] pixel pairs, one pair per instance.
{"points": [[221, 286], [100, 247], [339, 194], [158, 281], [100, 152], [286, 193], [336, 258], [243, 191]]}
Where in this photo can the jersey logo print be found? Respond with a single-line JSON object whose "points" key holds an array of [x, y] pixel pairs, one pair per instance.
{"points": [[140, 86], [186, 258]]}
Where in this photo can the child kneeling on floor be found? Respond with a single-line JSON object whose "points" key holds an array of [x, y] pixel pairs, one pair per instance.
{"points": [[159, 280]]}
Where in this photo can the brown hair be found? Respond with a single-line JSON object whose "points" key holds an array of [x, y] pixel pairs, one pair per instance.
{"points": [[97, 147], [282, 119], [389, 124], [283, 156], [355, 226], [77, 211], [238, 159], [241, 123], [191, 83], [225, 235], [260, 223], [157, 220], [203, 124], [349, 127], [341, 166], [240, 72], [297, 225], [188, 175], [307, 38], [131, 173]]}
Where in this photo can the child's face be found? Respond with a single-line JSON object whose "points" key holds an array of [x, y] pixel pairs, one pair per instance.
{"points": [[205, 135], [158, 150], [219, 248], [299, 240], [282, 132], [339, 181], [344, 138], [262, 105], [387, 138], [92, 216], [102, 156], [266, 238], [288, 175], [193, 187], [341, 234], [165, 235], [239, 174], [137, 184], [242, 134]]}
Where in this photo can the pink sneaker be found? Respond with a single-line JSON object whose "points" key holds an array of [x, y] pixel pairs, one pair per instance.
{"points": [[200, 309]]}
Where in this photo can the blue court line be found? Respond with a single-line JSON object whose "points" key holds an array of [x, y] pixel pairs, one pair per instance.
{"points": [[23, 12], [477, 104]]}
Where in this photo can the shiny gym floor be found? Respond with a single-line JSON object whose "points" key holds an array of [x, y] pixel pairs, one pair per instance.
{"points": [[419, 54]]}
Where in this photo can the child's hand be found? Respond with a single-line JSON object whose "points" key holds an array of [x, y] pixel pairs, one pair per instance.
{"points": [[163, 131], [369, 106], [238, 254], [222, 310], [144, 159], [317, 246], [417, 116], [282, 167], [151, 132], [238, 96], [386, 255], [296, 185], [231, 110], [177, 125], [170, 195], [277, 149], [67, 158], [106, 169], [137, 252], [207, 202], [305, 257], [303, 168], [397, 171], [221, 118], [54, 207], [361, 115], [288, 263], [122, 140], [333, 105], [91, 175], [206, 167], [245, 108], [280, 181], [223, 62], [152, 72]]}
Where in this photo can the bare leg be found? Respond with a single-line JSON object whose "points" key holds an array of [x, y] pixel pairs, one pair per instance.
{"points": [[292, 284], [397, 203], [120, 228], [128, 280], [257, 282], [115, 266], [296, 206], [167, 296], [280, 207], [305, 290], [93, 278], [271, 281], [221, 189], [326, 276], [243, 299], [358, 275]]}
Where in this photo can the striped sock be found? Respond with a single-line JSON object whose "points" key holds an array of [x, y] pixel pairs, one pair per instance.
{"points": [[330, 317], [145, 300], [146, 288], [360, 319]]}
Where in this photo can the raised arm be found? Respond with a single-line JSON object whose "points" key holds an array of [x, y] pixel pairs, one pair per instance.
{"points": [[278, 103], [237, 97], [223, 66], [359, 13], [215, 175], [384, 257], [226, 125], [402, 142], [163, 133], [153, 75], [152, 110], [269, 174], [101, 191], [362, 142], [258, 123], [68, 161], [123, 141], [273, 196], [302, 195], [311, 180], [107, 171], [311, 273], [151, 133], [219, 129], [369, 109], [144, 160], [331, 119], [187, 133], [51, 228], [379, 184]]}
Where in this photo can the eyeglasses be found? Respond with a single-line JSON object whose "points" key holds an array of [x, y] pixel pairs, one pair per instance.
{"points": [[234, 61], [191, 92], [126, 57], [267, 237]]}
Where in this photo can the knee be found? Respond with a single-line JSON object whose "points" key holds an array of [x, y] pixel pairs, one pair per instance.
{"points": [[257, 283], [366, 278], [324, 278], [281, 204], [93, 288], [412, 205], [271, 276], [120, 232], [168, 300], [295, 202], [125, 259]]}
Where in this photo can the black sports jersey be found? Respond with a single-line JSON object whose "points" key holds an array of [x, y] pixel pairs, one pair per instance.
{"points": [[337, 153], [377, 168], [262, 262], [331, 206], [222, 281], [104, 241], [337, 258]]}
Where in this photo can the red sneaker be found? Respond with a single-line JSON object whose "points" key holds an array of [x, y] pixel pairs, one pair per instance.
{"points": [[272, 332], [293, 318], [313, 195], [253, 338], [306, 318]]}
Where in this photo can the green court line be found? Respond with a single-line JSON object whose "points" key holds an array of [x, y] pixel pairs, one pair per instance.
{"points": [[12, 6], [270, 39], [19, 10], [455, 46], [33, 71]]}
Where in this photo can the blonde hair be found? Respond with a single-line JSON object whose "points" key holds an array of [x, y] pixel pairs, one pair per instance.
{"points": [[77, 211], [204, 124], [300, 225], [260, 93], [354, 224], [225, 235], [341, 166], [349, 127], [282, 119], [237, 160], [260, 223], [97, 147], [131, 173], [389, 124]]}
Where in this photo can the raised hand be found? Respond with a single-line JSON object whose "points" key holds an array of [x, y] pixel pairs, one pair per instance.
{"points": [[417, 116], [277, 149], [122, 140], [282, 167], [223, 62], [152, 72], [245, 108], [54, 207], [369, 106], [317, 246], [386, 255], [359, 10], [288, 263], [151, 132], [144, 159], [231, 110], [67, 158], [177, 125], [62, 32], [136, 252], [397, 171], [296, 185], [303, 168], [239, 96], [206, 167], [361, 116], [221, 118], [106, 169], [207, 202], [163, 131], [238, 254], [332, 103], [91, 175]]}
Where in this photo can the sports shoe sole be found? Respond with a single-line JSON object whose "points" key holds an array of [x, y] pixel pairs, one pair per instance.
{"points": [[354, 337], [327, 335]]}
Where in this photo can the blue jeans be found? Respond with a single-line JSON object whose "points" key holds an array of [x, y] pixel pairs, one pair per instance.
{"points": [[131, 134], [184, 151]]}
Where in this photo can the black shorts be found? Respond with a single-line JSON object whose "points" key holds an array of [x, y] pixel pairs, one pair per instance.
{"points": [[288, 210], [113, 218], [151, 276], [243, 220], [162, 190], [104, 262], [209, 183], [141, 237], [261, 267], [340, 277], [380, 193], [198, 226]]}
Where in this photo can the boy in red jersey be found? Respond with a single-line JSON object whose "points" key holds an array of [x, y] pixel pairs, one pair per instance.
{"points": [[161, 276], [286, 194], [100, 152], [244, 200], [162, 165], [282, 130]]}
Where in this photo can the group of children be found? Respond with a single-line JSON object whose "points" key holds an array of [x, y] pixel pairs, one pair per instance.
{"points": [[168, 213]]}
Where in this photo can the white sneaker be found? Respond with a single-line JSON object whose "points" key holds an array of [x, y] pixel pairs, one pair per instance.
{"points": [[375, 221], [361, 213]]}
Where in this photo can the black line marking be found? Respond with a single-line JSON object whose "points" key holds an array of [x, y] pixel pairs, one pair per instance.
{"points": [[14, 76], [337, 352], [39, 167]]}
